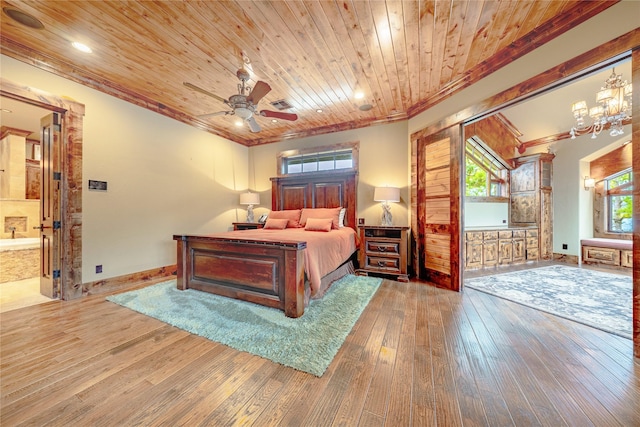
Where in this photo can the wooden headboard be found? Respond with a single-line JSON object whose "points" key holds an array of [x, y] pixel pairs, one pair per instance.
{"points": [[317, 190]]}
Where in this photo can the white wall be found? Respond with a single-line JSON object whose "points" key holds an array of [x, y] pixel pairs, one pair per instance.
{"points": [[486, 214], [164, 178], [384, 160], [572, 204]]}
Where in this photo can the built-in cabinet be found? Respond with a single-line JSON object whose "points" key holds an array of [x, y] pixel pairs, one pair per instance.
{"points": [[531, 200], [490, 248]]}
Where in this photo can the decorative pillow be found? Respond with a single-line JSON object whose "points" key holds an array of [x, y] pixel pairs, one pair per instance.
{"points": [[333, 213], [276, 224], [292, 215], [318, 224], [343, 212]]}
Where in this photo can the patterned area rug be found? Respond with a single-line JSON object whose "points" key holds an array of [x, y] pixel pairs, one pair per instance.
{"points": [[601, 300], [308, 343]]}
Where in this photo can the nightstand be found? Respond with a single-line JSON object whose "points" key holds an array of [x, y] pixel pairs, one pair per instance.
{"points": [[383, 250], [247, 226]]}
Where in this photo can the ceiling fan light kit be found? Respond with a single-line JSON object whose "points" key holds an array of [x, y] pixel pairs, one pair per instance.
{"points": [[245, 102]]}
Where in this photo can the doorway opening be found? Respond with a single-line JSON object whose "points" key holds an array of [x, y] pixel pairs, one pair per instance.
{"points": [[20, 211]]}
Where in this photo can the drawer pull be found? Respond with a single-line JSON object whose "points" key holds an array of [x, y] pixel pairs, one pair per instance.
{"points": [[381, 249], [381, 264]]}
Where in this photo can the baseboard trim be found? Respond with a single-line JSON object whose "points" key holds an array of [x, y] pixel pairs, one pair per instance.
{"points": [[115, 283], [569, 259]]}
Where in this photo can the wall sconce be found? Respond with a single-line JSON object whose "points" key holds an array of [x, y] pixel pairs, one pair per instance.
{"points": [[249, 199], [589, 183], [386, 195]]}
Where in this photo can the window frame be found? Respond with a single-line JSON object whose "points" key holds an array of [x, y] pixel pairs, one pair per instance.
{"points": [[353, 147], [499, 176], [625, 189]]}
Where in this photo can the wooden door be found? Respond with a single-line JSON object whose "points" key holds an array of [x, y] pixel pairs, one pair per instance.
{"points": [[49, 206], [438, 207]]}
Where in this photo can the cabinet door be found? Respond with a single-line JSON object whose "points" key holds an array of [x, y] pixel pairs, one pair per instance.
{"points": [[474, 254], [505, 251], [490, 253], [518, 250]]}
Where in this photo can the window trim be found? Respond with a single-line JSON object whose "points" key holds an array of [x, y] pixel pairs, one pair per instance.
{"points": [[354, 146], [621, 190]]}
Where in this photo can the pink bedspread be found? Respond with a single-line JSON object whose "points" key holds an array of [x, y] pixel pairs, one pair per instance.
{"points": [[325, 250]]}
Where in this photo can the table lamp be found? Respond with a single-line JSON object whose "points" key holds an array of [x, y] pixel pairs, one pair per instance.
{"points": [[249, 199], [386, 195]]}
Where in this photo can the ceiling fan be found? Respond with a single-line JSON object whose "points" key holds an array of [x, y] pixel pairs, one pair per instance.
{"points": [[244, 103]]}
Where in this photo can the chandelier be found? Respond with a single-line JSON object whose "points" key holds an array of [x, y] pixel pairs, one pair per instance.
{"points": [[613, 108]]}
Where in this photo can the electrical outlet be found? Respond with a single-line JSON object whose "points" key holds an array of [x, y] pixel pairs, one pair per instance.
{"points": [[99, 268], [564, 246]]}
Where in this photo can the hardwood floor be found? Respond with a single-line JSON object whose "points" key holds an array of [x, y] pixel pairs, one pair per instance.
{"points": [[418, 356]]}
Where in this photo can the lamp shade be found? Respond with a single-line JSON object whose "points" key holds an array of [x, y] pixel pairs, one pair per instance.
{"points": [[249, 198], [386, 194]]}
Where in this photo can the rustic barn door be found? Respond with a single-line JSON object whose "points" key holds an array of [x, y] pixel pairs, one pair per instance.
{"points": [[438, 207], [50, 141]]}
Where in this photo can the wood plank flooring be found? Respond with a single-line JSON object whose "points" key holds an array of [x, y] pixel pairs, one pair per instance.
{"points": [[418, 356]]}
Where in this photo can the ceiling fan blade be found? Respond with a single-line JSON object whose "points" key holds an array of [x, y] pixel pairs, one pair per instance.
{"points": [[206, 92], [253, 125], [259, 91], [219, 113], [279, 115]]}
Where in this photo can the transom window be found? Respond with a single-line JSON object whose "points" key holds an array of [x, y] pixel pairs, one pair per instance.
{"points": [[619, 190], [339, 157], [484, 172]]}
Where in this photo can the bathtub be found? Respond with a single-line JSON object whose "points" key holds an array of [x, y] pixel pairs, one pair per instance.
{"points": [[18, 244]]}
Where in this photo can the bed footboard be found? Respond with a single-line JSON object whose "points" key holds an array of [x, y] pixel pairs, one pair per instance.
{"points": [[265, 273]]}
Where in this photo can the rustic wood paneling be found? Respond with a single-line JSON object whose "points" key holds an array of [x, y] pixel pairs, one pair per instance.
{"points": [[404, 55], [438, 240], [497, 134], [612, 162]]}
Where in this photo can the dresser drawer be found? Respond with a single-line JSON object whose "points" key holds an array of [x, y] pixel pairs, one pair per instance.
{"points": [[519, 234], [374, 246], [473, 236], [490, 235], [602, 255], [504, 235], [391, 265]]}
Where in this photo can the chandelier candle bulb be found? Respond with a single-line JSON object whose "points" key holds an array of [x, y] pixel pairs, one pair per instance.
{"points": [[614, 107]]}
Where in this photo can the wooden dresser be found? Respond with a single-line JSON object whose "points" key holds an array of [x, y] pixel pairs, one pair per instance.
{"points": [[383, 250]]}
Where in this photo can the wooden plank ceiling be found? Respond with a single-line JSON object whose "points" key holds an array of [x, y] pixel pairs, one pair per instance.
{"points": [[403, 56]]}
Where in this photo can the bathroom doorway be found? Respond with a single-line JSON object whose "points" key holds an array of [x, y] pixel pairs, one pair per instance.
{"points": [[20, 211]]}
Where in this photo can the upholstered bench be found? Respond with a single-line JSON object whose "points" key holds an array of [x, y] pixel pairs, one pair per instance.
{"points": [[607, 251]]}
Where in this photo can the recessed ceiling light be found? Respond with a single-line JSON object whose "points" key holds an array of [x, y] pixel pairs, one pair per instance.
{"points": [[239, 123], [6, 110], [23, 18], [319, 110], [366, 107], [81, 47], [359, 95], [274, 121]]}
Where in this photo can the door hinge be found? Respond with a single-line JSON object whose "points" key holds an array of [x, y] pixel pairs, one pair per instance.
{"points": [[56, 225], [56, 274], [57, 176]]}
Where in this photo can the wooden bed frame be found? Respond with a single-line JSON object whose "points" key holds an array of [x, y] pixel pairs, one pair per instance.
{"points": [[263, 272]]}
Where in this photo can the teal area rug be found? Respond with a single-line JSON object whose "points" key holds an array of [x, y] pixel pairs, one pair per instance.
{"points": [[308, 343], [598, 299]]}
